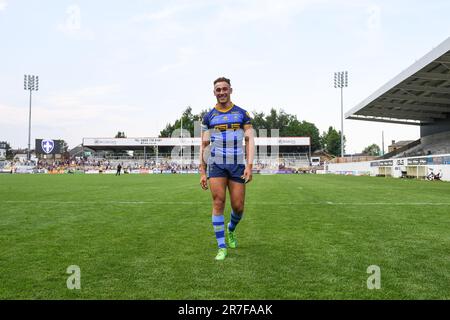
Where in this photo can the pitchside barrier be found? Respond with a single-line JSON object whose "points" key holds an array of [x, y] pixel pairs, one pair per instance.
{"points": [[411, 167]]}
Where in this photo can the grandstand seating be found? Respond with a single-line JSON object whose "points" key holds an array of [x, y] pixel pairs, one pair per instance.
{"points": [[295, 160], [400, 150], [433, 144], [103, 162]]}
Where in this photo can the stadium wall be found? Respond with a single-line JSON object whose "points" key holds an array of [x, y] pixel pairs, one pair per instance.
{"points": [[351, 168], [412, 167]]}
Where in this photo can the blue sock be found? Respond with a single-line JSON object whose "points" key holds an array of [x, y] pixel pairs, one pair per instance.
{"points": [[219, 228], [235, 218]]}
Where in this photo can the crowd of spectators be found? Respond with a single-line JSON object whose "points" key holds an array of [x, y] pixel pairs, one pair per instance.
{"points": [[102, 165], [82, 165]]}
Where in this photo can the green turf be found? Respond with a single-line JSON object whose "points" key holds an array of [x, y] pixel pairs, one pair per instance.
{"points": [[150, 237]]}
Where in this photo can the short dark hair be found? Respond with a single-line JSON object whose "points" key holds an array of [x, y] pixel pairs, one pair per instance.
{"points": [[222, 79]]}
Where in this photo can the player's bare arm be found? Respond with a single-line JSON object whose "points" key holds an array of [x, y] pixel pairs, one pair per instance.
{"points": [[249, 150], [203, 146]]}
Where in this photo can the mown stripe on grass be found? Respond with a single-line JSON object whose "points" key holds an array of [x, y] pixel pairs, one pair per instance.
{"points": [[258, 203]]}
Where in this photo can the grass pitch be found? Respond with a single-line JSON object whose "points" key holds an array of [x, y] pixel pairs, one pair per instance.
{"points": [[150, 237]]}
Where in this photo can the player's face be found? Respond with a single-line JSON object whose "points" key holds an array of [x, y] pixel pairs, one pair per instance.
{"points": [[222, 91]]}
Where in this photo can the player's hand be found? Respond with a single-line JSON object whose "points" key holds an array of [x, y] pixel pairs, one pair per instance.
{"points": [[204, 182], [248, 175]]}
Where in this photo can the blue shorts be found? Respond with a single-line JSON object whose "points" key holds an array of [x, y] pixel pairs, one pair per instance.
{"points": [[230, 171]]}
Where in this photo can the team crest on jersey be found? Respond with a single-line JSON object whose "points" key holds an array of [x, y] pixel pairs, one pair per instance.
{"points": [[47, 145]]}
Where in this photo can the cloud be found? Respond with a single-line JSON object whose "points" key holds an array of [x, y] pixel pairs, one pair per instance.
{"points": [[72, 115], [171, 11], [3, 5], [11, 112], [243, 12], [87, 104], [184, 55], [162, 14], [164, 24]]}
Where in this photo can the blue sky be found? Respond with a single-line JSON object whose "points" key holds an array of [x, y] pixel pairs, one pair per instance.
{"points": [[108, 66]]}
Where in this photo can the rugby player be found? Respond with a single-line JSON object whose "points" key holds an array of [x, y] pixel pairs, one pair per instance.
{"points": [[223, 162]]}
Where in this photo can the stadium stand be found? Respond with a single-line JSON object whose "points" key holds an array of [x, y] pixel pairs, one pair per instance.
{"points": [[420, 95], [432, 144], [400, 151], [101, 162]]}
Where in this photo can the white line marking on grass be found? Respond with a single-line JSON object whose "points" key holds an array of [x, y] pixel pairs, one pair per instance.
{"points": [[248, 203], [103, 202], [390, 203]]}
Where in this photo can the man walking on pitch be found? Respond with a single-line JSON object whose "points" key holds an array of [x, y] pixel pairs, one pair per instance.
{"points": [[222, 161]]}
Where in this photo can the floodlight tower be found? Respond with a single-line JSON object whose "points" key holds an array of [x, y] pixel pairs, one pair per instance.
{"points": [[31, 83], [341, 81]]}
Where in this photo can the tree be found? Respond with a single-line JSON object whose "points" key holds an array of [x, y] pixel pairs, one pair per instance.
{"points": [[331, 141], [189, 120], [303, 129], [372, 150], [289, 126], [120, 135], [188, 123]]}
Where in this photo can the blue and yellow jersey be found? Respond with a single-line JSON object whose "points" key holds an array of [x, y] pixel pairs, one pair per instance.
{"points": [[227, 133]]}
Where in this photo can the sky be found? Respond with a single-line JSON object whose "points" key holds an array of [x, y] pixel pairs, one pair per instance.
{"points": [[134, 66]]}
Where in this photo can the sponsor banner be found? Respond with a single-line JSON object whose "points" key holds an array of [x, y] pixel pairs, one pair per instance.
{"points": [[24, 169], [273, 171], [383, 163], [285, 171], [417, 161], [186, 171], [136, 142], [92, 171], [283, 141], [441, 160], [265, 171], [429, 160]]}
